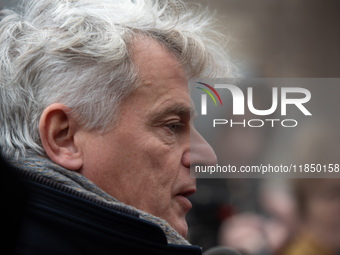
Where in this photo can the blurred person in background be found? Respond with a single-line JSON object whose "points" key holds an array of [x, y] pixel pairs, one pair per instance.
{"points": [[318, 232], [262, 232], [317, 199]]}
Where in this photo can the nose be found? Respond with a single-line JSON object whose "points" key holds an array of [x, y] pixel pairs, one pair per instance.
{"points": [[200, 153]]}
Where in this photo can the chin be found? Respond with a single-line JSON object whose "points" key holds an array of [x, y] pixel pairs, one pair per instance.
{"points": [[181, 227]]}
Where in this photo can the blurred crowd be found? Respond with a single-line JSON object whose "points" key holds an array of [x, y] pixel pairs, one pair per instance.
{"points": [[301, 221], [275, 216], [271, 216]]}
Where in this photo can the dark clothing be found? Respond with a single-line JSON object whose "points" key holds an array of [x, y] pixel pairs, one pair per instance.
{"points": [[52, 218]]}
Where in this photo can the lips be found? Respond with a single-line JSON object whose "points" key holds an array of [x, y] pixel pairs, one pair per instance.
{"points": [[182, 199], [187, 192]]}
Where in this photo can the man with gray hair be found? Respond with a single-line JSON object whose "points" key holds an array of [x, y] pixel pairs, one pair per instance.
{"points": [[95, 117]]}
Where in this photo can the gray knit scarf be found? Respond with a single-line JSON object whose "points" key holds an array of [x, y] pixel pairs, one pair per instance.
{"points": [[72, 179]]}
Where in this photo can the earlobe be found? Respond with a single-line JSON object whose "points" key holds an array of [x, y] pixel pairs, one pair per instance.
{"points": [[59, 136]]}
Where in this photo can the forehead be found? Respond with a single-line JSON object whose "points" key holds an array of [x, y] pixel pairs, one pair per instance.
{"points": [[163, 80], [155, 61]]}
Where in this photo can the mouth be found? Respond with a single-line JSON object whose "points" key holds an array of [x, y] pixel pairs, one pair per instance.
{"points": [[188, 192], [183, 200]]}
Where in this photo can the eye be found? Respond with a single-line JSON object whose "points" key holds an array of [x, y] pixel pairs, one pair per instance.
{"points": [[173, 127]]}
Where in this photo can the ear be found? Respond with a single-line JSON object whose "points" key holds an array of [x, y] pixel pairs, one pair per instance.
{"points": [[59, 136]]}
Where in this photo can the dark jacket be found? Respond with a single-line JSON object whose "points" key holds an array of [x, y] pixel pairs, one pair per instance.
{"points": [[45, 217]]}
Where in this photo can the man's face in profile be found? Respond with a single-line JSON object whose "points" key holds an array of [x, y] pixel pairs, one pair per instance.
{"points": [[145, 160]]}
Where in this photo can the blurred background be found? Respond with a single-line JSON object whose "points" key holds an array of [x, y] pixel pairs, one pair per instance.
{"points": [[277, 39], [274, 39]]}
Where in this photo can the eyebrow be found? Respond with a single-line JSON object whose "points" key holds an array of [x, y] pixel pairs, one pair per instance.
{"points": [[179, 110]]}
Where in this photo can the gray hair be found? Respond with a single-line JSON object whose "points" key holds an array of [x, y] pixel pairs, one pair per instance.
{"points": [[77, 52]]}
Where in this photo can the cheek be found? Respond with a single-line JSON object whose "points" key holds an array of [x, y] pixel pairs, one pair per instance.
{"points": [[156, 158], [150, 169], [152, 190], [137, 169]]}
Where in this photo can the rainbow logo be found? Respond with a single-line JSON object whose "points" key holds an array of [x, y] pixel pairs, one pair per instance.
{"points": [[209, 93]]}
